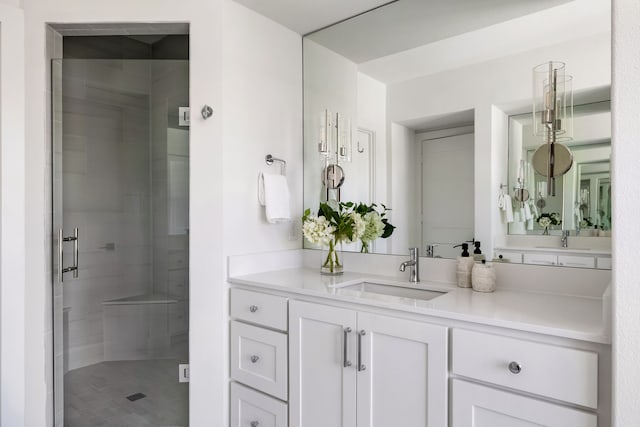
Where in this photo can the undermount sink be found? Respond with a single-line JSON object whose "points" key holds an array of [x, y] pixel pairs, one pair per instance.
{"points": [[392, 290]]}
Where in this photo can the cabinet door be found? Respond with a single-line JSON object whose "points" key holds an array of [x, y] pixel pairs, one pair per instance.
{"points": [[322, 389], [480, 406], [402, 379]]}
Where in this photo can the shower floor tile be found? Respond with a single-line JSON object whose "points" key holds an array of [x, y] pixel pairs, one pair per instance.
{"points": [[96, 395]]}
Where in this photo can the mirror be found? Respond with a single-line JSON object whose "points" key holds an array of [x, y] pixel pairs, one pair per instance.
{"points": [[425, 90], [582, 202]]}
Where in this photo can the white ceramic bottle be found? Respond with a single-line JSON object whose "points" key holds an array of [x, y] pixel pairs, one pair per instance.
{"points": [[483, 277]]}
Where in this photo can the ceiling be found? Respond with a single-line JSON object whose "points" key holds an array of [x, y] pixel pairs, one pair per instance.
{"points": [[407, 24], [305, 16], [407, 39]]}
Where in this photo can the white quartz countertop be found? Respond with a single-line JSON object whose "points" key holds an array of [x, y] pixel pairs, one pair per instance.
{"points": [[564, 316]]}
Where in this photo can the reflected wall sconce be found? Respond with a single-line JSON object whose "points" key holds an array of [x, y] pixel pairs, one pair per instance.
{"points": [[335, 137], [552, 120]]}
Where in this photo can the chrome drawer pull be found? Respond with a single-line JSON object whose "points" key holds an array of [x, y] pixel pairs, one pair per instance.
{"points": [[515, 367], [345, 350], [361, 366], [254, 359], [253, 308], [254, 423]]}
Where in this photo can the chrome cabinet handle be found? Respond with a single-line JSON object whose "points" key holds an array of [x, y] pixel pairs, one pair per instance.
{"points": [[254, 359], [345, 351], [253, 308], [76, 252], [515, 367], [361, 366], [254, 423]]}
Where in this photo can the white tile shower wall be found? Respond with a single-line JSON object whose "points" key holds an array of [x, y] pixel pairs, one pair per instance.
{"points": [[169, 90], [106, 193]]}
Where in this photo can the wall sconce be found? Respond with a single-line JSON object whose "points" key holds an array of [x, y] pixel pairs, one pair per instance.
{"points": [[552, 120]]}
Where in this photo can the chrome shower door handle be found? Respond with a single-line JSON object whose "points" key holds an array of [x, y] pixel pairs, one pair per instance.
{"points": [[60, 256], [76, 253]]}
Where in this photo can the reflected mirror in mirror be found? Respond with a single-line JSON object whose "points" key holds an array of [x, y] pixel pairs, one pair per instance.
{"points": [[417, 82], [583, 195]]}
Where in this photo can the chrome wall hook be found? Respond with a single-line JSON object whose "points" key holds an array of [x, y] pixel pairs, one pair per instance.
{"points": [[206, 112]]}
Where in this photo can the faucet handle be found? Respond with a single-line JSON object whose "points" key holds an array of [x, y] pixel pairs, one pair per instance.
{"points": [[413, 253]]}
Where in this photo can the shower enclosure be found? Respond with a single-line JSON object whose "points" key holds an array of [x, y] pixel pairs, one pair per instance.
{"points": [[121, 238]]}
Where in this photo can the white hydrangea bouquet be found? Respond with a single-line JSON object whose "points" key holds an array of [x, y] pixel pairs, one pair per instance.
{"points": [[376, 225], [336, 223]]}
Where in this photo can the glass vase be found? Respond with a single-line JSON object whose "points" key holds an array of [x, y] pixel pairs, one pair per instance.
{"points": [[332, 261], [545, 232], [365, 247]]}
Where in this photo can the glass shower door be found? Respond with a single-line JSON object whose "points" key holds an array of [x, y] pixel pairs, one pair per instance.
{"points": [[120, 223]]}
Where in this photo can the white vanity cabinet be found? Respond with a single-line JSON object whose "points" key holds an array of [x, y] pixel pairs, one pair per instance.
{"points": [[579, 260], [533, 373], [481, 406], [259, 359], [350, 368]]}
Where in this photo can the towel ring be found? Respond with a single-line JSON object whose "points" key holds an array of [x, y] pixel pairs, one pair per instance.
{"points": [[269, 159]]}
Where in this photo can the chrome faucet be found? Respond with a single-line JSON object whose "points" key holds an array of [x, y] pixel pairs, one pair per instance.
{"points": [[414, 274], [565, 238], [431, 250]]}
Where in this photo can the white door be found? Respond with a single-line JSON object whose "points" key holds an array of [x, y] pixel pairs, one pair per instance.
{"points": [[447, 193], [474, 405], [12, 216], [403, 377], [321, 366]]}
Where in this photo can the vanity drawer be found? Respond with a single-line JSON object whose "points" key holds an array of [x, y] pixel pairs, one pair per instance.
{"points": [[576, 261], [262, 309], [603, 263], [560, 373], [250, 408], [541, 259], [259, 358], [512, 257]]}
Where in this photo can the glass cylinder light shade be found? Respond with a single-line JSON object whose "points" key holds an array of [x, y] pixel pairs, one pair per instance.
{"points": [[325, 140], [344, 138], [552, 102]]}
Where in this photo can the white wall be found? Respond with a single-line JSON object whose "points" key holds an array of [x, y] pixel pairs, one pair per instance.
{"points": [[262, 66], [403, 182], [13, 300], [626, 203], [492, 88], [212, 192]]}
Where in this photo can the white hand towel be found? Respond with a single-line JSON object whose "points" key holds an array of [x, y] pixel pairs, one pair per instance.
{"points": [[508, 209], [275, 198], [527, 212], [534, 209]]}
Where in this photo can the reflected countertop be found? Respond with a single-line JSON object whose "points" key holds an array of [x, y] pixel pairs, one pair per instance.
{"points": [[564, 316]]}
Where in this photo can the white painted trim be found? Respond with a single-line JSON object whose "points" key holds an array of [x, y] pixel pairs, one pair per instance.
{"points": [[12, 216]]}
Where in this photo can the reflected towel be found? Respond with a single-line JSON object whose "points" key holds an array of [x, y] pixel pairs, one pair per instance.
{"points": [[273, 193], [507, 208]]}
